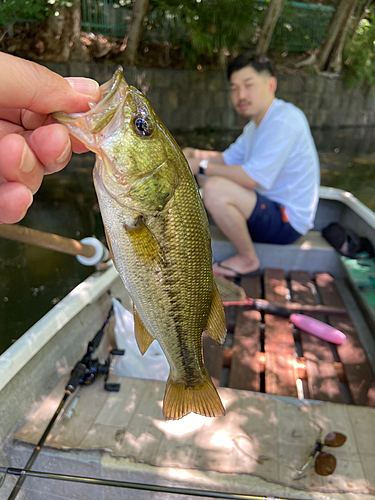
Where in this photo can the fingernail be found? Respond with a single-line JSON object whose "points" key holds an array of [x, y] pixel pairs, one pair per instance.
{"points": [[31, 200], [65, 154], [82, 85], [27, 160]]}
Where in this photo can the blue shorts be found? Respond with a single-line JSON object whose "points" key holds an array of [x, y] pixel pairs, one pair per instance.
{"points": [[269, 223]]}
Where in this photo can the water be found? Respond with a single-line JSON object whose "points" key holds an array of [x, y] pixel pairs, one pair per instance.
{"points": [[32, 280]]}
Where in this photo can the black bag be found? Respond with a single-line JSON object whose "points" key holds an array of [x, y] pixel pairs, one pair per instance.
{"points": [[347, 243]]}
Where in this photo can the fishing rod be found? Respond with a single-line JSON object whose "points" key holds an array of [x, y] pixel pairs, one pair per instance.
{"points": [[136, 486], [83, 373], [89, 251], [233, 294]]}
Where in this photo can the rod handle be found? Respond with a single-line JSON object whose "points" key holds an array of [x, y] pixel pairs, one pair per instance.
{"points": [[42, 239]]}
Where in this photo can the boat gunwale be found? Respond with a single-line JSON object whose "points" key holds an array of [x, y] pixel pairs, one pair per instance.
{"points": [[348, 199], [33, 340]]}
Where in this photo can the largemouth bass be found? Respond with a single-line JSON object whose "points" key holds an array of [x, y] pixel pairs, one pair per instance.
{"points": [[158, 234]]}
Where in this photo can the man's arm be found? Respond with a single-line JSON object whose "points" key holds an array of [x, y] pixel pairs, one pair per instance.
{"points": [[202, 154], [234, 173]]}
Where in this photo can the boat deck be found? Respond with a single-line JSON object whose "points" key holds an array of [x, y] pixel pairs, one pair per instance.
{"points": [[123, 435], [267, 354]]}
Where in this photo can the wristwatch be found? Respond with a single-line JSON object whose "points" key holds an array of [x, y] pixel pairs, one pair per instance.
{"points": [[202, 167]]}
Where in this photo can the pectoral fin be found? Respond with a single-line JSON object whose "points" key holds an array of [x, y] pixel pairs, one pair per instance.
{"points": [[142, 336], [146, 246], [110, 248], [216, 327]]}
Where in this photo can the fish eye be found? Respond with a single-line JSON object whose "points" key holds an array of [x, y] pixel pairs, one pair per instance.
{"points": [[143, 126]]}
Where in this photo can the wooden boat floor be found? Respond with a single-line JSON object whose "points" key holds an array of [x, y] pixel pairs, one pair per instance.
{"points": [[267, 354], [248, 449]]}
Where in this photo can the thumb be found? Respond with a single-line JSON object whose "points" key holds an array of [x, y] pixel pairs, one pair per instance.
{"points": [[27, 85], [85, 86]]}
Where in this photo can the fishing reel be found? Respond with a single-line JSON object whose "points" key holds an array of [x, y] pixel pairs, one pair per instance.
{"points": [[96, 368], [88, 368]]}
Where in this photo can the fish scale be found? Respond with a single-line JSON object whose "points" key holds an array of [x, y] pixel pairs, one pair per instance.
{"points": [[158, 233]]}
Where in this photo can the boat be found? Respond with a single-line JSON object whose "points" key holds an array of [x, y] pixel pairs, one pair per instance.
{"points": [[283, 390]]}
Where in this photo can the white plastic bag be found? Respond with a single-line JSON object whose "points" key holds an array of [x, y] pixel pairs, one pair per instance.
{"points": [[152, 365]]}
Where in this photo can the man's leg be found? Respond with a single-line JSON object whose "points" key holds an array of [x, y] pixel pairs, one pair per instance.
{"points": [[230, 206]]}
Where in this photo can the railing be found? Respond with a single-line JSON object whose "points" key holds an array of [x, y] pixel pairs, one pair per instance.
{"points": [[105, 17]]}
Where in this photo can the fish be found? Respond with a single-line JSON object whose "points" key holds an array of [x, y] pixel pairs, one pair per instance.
{"points": [[158, 235]]}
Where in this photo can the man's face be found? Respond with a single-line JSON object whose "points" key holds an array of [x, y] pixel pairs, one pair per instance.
{"points": [[252, 93]]}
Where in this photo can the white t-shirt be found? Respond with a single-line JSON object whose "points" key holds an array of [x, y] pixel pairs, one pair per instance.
{"points": [[280, 155]]}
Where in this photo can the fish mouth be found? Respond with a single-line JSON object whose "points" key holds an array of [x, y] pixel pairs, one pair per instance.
{"points": [[112, 94], [110, 90]]}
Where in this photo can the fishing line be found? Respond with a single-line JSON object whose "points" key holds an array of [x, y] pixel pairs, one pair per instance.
{"points": [[136, 486]]}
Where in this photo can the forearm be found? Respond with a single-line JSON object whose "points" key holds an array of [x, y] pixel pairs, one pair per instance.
{"points": [[202, 154], [235, 173]]}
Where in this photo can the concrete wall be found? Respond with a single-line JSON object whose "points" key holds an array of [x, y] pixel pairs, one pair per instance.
{"points": [[186, 100]]}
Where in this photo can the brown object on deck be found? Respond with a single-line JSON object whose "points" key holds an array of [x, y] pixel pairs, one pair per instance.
{"points": [[265, 353]]}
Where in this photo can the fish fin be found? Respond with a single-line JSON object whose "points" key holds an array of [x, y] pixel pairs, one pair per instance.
{"points": [[146, 246], [179, 400], [216, 327], [229, 290], [110, 248], [142, 336]]}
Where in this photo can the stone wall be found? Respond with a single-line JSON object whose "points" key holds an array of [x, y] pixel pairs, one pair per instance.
{"points": [[187, 100]]}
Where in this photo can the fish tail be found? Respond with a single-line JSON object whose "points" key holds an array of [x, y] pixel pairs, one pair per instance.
{"points": [[179, 399]]}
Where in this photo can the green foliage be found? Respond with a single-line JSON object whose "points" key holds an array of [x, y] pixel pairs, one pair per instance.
{"points": [[301, 28], [359, 55], [12, 11], [206, 28], [201, 27], [222, 24]]}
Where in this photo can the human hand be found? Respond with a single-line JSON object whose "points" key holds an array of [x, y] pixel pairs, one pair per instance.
{"points": [[32, 144], [188, 152], [194, 165]]}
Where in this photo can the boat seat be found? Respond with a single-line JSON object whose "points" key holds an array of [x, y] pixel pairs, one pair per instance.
{"points": [[320, 256]]}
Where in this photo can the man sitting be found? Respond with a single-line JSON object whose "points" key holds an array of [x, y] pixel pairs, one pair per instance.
{"points": [[265, 187]]}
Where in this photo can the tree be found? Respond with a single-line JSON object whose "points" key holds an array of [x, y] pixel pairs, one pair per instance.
{"points": [[222, 27], [359, 53], [77, 51], [273, 13], [329, 56], [62, 34], [363, 12], [135, 32]]}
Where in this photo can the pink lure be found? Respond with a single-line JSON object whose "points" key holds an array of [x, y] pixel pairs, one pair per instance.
{"points": [[317, 328]]}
